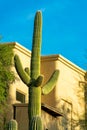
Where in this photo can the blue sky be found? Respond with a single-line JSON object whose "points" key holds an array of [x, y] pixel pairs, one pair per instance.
{"points": [[64, 26]]}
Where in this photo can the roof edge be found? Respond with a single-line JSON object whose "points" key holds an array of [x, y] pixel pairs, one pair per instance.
{"points": [[48, 57], [19, 47], [65, 61]]}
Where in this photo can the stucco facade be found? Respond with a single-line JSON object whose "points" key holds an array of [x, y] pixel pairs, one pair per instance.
{"points": [[68, 95]]}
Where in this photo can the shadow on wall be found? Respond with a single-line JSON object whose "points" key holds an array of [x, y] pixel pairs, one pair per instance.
{"points": [[49, 122], [47, 68], [71, 107]]}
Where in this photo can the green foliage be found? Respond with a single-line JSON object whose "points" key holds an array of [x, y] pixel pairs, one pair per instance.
{"points": [[6, 75], [6, 78]]}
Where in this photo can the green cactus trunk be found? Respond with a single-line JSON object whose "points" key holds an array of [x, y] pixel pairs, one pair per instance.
{"points": [[34, 91], [36, 123], [34, 102]]}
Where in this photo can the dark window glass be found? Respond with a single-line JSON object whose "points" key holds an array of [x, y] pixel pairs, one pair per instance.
{"points": [[20, 97]]}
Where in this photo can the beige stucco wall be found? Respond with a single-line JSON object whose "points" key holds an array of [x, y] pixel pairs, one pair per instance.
{"points": [[68, 94]]}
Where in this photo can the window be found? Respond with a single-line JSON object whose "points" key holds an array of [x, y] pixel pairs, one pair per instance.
{"points": [[20, 97]]}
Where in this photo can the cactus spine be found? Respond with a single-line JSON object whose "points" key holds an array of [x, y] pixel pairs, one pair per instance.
{"points": [[34, 79], [12, 125]]}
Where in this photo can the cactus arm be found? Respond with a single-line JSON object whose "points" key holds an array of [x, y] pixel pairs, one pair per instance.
{"points": [[48, 87], [36, 82], [23, 75], [27, 70], [39, 81]]}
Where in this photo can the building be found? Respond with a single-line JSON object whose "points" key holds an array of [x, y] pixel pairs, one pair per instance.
{"points": [[68, 99]]}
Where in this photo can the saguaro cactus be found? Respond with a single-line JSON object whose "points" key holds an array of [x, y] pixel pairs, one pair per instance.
{"points": [[34, 79], [12, 125]]}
